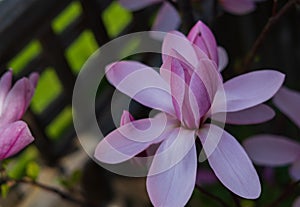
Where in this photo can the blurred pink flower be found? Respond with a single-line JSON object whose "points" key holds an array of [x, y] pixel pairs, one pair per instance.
{"points": [[14, 133], [238, 7], [188, 90], [274, 150], [167, 18]]}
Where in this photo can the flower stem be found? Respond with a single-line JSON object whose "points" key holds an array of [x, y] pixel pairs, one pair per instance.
{"points": [[62, 194], [266, 30]]}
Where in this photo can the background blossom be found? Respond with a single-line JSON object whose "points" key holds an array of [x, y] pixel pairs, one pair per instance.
{"points": [[14, 134]]}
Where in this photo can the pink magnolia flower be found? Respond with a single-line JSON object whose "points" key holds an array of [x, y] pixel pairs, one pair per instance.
{"points": [[167, 18], [239, 7], [188, 91], [14, 133], [274, 150], [203, 39]]}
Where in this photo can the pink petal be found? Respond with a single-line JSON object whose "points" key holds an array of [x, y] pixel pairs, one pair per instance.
{"points": [[295, 170], [202, 37], [167, 18], [130, 139], [176, 41], [231, 164], [141, 83], [211, 78], [238, 7], [16, 101], [172, 176], [223, 59], [288, 101], [126, 118], [33, 78], [251, 89], [13, 138], [137, 4], [297, 202], [5, 85], [257, 114], [272, 150]]}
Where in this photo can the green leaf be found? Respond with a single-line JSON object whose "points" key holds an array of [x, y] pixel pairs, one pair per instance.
{"points": [[17, 167], [32, 170], [4, 190]]}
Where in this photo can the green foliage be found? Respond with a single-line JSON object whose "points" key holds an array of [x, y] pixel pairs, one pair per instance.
{"points": [[28, 53], [66, 17], [80, 50], [32, 170], [72, 180], [116, 18], [4, 190], [47, 90], [17, 168], [60, 123]]}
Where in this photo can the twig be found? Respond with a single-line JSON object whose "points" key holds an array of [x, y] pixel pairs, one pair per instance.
{"points": [[212, 196], [62, 194], [266, 30], [285, 194]]}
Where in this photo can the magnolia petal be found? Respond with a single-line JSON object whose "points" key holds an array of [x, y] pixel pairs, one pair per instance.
{"points": [[251, 89], [33, 78], [295, 170], [199, 98], [134, 5], [178, 87], [238, 7], [202, 37], [288, 101], [13, 138], [211, 78], [176, 41], [272, 150], [126, 118], [167, 18], [172, 180], [130, 139], [5, 85], [16, 101], [141, 83], [255, 115], [231, 164], [223, 59]]}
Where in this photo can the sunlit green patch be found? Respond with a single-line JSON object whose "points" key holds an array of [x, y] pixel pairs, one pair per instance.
{"points": [[60, 124], [23, 58], [80, 50], [47, 90], [116, 18], [66, 17]]}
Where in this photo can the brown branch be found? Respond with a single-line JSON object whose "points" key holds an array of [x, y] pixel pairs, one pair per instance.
{"points": [[266, 30], [212, 196], [51, 189], [285, 194]]}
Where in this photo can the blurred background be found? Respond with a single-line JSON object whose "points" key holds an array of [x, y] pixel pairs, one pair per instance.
{"points": [[56, 37]]}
